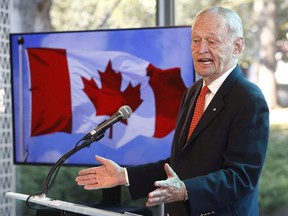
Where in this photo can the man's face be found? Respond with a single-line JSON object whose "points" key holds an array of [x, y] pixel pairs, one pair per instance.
{"points": [[212, 47]]}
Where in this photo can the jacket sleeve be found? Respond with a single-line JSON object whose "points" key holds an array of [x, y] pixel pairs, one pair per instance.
{"points": [[142, 178]]}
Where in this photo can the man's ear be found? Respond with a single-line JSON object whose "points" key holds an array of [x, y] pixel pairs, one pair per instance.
{"points": [[238, 46]]}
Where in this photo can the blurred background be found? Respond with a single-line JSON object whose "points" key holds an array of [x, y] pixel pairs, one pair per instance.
{"points": [[264, 62]]}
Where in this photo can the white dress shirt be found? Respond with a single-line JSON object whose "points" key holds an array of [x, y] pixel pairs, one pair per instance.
{"points": [[215, 85]]}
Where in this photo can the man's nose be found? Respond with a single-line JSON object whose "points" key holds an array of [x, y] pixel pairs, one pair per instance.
{"points": [[203, 47]]}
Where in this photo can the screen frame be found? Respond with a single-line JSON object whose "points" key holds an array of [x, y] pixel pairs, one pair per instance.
{"points": [[12, 35]]}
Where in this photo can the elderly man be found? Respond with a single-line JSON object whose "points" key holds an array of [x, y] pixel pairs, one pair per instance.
{"points": [[216, 157]]}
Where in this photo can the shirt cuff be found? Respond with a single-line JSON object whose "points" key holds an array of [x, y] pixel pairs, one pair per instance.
{"points": [[126, 177]]}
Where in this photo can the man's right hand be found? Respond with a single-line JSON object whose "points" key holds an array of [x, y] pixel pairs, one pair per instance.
{"points": [[108, 175]]}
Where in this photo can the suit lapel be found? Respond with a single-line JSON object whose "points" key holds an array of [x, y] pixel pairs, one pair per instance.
{"points": [[215, 106], [210, 113], [186, 116]]}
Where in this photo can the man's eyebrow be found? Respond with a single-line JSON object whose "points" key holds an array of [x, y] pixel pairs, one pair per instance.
{"points": [[210, 34]]}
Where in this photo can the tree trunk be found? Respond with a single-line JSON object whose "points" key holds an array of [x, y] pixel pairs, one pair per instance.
{"points": [[31, 16], [264, 64]]}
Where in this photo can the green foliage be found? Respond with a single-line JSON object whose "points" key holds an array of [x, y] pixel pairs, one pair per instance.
{"points": [[91, 14], [31, 178], [273, 186]]}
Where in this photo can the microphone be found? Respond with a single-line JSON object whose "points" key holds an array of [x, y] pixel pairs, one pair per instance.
{"points": [[124, 112]]}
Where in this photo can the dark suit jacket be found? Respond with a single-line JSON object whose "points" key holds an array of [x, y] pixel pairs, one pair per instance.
{"points": [[222, 161]]}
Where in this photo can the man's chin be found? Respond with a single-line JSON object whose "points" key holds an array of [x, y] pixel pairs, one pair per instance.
{"points": [[204, 72]]}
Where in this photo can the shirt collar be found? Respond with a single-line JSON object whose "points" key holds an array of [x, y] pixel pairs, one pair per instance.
{"points": [[215, 85]]}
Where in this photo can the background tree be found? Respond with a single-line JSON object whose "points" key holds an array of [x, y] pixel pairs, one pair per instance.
{"points": [[91, 14], [264, 64], [264, 23], [32, 15]]}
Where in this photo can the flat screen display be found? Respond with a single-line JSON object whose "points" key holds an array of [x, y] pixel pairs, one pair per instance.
{"points": [[64, 84]]}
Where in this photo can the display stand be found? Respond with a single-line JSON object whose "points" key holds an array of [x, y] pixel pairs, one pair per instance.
{"points": [[65, 206]]}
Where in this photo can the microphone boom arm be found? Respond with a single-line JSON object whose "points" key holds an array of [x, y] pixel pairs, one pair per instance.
{"points": [[98, 133], [61, 160]]}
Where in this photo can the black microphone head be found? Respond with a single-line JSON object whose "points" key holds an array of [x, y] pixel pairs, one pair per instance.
{"points": [[125, 112]]}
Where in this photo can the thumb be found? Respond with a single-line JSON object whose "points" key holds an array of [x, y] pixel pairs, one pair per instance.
{"points": [[101, 160], [169, 171]]}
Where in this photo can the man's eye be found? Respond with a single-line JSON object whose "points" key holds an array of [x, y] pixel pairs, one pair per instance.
{"points": [[212, 43], [196, 41]]}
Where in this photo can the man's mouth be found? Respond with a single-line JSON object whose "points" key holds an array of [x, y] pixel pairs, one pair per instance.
{"points": [[205, 61]]}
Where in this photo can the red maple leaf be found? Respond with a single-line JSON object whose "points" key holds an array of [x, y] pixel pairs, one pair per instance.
{"points": [[108, 99], [168, 88]]}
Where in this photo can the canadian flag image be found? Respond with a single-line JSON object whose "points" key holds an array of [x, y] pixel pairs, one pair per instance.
{"points": [[74, 92]]}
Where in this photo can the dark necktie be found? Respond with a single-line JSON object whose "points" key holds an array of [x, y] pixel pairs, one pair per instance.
{"points": [[199, 108]]}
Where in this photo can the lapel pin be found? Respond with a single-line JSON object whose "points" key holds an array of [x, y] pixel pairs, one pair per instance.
{"points": [[214, 109]]}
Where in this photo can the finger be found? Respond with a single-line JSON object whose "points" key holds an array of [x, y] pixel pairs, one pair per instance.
{"points": [[87, 171], [102, 160], [159, 192], [169, 171], [90, 181], [162, 183], [153, 202], [85, 177], [92, 187], [156, 200], [87, 182], [170, 174]]}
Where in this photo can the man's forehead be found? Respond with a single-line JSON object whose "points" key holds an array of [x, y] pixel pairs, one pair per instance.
{"points": [[211, 22]]}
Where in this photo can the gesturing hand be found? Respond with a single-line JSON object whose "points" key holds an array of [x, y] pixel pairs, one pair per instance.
{"points": [[109, 174], [170, 190]]}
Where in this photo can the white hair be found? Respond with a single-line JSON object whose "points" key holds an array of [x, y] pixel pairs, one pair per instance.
{"points": [[231, 17]]}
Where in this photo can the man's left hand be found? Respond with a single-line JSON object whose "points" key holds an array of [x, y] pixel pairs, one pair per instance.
{"points": [[170, 190]]}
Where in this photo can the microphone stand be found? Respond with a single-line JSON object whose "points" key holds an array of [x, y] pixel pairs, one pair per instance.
{"points": [[57, 165]]}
